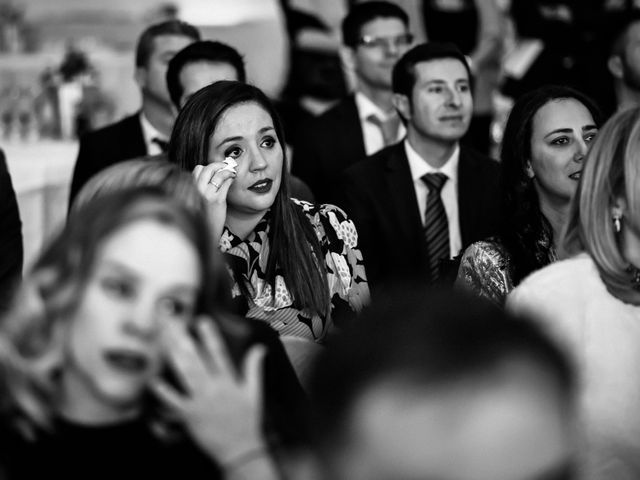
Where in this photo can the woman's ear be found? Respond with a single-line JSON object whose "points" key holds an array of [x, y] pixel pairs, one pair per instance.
{"points": [[529, 170], [618, 207]]}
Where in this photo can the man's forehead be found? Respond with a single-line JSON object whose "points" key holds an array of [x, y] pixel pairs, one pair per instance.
{"points": [[446, 68]]}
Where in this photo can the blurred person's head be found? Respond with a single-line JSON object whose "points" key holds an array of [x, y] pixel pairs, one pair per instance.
{"points": [[235, 120], [605, 215], [143, 172], [432, 93], [624, 58], [84, 338], [375, 34], [200, 64], [546, 138], [156, 46], [443, 386]]}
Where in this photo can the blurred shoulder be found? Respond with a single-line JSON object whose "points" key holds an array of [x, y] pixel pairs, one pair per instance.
{"points": [[113, 130]]}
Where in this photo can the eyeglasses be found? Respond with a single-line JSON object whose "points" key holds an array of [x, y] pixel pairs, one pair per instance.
{"points": [[397, 41]]}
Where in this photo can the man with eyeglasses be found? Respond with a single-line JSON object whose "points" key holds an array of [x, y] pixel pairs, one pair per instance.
{"points": [[375, 35]]}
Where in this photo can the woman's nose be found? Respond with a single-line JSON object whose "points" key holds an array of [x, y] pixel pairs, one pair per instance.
{"points": [[581, 150], [258, 160], [142, 320]]}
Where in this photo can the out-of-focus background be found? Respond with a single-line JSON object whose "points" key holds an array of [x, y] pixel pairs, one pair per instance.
{"points": [[67, 66]]}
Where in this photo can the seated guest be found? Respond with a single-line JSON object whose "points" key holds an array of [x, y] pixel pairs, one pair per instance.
{"points": [[442, 386], [99, 367], [203, 63], [591, 302], [546, 138], [11, 252], [145, 132], [296, 265], [417, 203]]}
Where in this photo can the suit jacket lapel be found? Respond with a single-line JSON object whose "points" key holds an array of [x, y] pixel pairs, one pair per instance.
{"points": [[402, 197], [134, 136], [468, 192], [352, 137]]}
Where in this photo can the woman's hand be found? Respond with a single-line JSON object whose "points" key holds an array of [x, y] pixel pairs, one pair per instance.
{"points": [[214, 181], [222, 410]]}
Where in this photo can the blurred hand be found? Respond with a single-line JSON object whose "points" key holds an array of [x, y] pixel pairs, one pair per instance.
{"points": [[222, 409]]}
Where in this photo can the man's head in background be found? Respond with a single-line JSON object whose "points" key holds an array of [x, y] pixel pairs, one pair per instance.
{"points": [[432, 92], [446, 387], [374, 35], [624, 58], [201, 64], [156, 46]]}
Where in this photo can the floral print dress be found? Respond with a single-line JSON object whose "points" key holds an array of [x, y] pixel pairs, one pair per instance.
{"points": [[345, 274]]}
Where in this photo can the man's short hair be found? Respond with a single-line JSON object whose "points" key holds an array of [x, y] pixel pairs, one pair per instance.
{"points": [[425, 342], [144, 49], [404, 77], [363, 13], [202, 51]]}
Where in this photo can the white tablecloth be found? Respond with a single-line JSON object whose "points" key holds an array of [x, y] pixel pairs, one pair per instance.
{"points": [[41, 174]]}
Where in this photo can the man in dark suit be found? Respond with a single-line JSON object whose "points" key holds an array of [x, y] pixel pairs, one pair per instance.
{"points": [[408, 223], [147, 131], [11, 253], [375, 35]]}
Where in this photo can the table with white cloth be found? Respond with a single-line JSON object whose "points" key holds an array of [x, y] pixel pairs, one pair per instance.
{"points": [[41, 175]]}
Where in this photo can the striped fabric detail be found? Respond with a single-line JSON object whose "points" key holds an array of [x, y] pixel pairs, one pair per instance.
{"points": [[436, 224]]}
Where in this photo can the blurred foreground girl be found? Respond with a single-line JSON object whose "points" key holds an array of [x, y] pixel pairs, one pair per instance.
{"points": [[100, 374]]}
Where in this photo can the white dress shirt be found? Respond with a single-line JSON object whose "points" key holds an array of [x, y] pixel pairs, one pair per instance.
{"points": [[449, 192], [373, 140], [149, 132]]}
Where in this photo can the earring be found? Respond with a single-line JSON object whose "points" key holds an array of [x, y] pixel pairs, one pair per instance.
{"points": [[617, 222], [635, 277]]}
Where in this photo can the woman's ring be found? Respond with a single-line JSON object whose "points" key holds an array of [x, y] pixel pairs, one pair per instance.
{"points": [[214, 184]]}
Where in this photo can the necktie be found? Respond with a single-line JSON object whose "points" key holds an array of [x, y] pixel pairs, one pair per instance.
{"points": [[388, 127], [163, 144], [436, 224]]}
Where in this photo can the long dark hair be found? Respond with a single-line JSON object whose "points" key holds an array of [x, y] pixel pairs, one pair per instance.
{"points": [[290, 233], [525, 231]]}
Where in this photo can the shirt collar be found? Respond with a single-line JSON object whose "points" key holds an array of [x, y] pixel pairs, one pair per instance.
{"points": [[366, 108], [149, 131], [420, 167]]}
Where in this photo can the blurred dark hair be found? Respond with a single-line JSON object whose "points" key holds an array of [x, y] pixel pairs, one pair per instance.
{"points": [[524, 230], [203, 51], [290, 233], [404, 76], [424, 341], [365, 12], [145, 46]]}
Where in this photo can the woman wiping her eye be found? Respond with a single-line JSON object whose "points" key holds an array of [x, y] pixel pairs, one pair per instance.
{"points": [[295, 265]]}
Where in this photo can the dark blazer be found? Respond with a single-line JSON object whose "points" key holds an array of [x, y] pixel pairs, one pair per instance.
{"points": [[11, 252], [104, 147], [327, 146], [379, 196]]}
